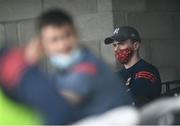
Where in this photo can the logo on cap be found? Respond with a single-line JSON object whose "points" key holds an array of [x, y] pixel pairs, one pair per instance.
{"points": [[116, 31]]}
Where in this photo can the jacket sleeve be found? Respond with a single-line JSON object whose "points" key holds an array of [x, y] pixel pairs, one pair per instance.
{"points": [[146, 86], [12, 65]]}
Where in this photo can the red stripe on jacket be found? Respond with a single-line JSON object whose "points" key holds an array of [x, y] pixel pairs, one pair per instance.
{"points": [[88, 68], [147, 75]]}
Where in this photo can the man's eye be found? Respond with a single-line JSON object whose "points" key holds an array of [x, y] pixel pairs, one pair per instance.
{"points": [[114, 45]]}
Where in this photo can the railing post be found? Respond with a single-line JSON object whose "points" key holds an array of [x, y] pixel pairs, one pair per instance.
{"points": [[167, 87]]}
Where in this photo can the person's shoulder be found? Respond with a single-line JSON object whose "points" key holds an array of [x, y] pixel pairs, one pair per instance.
{"points": [[90, 62], [88, 55], [147, 71], [146, 66], [85, 68]]}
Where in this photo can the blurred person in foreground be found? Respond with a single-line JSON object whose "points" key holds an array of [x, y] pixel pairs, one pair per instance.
{"points": [[25, 90], [82, 81], [141, 78]]}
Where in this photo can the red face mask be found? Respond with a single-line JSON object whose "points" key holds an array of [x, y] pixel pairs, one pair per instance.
{"points": [[123, 55]]}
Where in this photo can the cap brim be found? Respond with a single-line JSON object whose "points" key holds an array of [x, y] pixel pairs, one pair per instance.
{"points": [[108, 40], [112, 39]]}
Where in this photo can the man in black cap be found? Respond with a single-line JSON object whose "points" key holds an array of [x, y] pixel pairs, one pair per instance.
{"points": [[141, 78]]}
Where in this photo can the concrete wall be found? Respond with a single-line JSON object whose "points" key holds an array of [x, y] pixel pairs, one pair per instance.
{"points": [[158, 22]]}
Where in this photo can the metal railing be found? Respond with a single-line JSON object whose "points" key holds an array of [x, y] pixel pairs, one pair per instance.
{"points": [[169, 83]]}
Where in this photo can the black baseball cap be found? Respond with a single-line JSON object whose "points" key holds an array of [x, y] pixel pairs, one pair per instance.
{"points": [[122, 34]]}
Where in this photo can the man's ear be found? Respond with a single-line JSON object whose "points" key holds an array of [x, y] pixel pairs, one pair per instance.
{"points": [[136, 45]]}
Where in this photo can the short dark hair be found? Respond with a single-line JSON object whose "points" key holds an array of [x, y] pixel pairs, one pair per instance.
{"points": [[56, 17]]}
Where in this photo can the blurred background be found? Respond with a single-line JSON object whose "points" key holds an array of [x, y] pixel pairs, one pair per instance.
{"points": [[158, 22]]}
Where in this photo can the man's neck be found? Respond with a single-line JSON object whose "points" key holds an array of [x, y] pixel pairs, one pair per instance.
{"points": [[133, 61]]}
